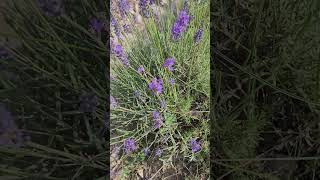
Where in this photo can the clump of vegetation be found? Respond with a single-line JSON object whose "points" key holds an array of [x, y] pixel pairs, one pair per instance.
{"points": [[58, 96], [266, 90], [160, 93]]}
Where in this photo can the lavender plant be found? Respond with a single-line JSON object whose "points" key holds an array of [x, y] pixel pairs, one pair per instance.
{"points": [[53, 120], [169, 67]]}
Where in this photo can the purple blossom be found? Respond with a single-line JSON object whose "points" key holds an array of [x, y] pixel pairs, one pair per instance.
{"points": [[126, 28], [146, 151], [4, 53], [180, 25], [116, 150], [156, 85], [186, 5], [113, 21], [198, 35], [171, 81], [129, 145], [10, 135], [157, 119], [169, 62], [6, 119], [96, 24], [144, 8], [124, 7], [113, 102], [195, 146], [88, 102], [152, 2], [115, 25], [141, 70], [112, 77], [118, 50], [119, 53], [50, 7], [158, 152]]}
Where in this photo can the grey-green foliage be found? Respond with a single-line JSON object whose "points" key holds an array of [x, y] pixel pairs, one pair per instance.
{"points": [[58, 58], [191, 91], [266, 77]]}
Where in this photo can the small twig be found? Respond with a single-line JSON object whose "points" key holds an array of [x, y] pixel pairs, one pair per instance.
{"points": [[156, 173]]}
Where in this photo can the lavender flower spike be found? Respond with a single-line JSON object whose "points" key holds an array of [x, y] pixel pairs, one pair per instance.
{"points": [[195, 146], [157, 119], [158, 152], [169, 64], [171, 81], [144, 8], [124, 7], [180, 25], [51, 7], [146, 151], [198, 36], [96, 24], [119, 52], [129, 145], [10, 135], [88, 102], [156, 85], [140, 70], [113, 102]]}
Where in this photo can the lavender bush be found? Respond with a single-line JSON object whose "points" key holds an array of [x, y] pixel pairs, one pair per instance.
{"points": [[167, 66], [53, 117]]}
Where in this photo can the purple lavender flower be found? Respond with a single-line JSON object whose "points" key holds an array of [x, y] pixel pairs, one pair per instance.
{"points": [[129, 145], [113, 21], [156, 85], [115, 25], [10, 135], [186, 5], [6, 121], [198, 35], [126, 28], [88, 102], [113, 102], [158, 152], [50, 7], [157, 119], [4, 53], [180, 25], [171, 81], [144, 8], [112, 77], [96, 24], [152, 2], [169, 64], [195, 146], [141, 70], [119, 52], [124, 7], [146, 151], [116, 150]]}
